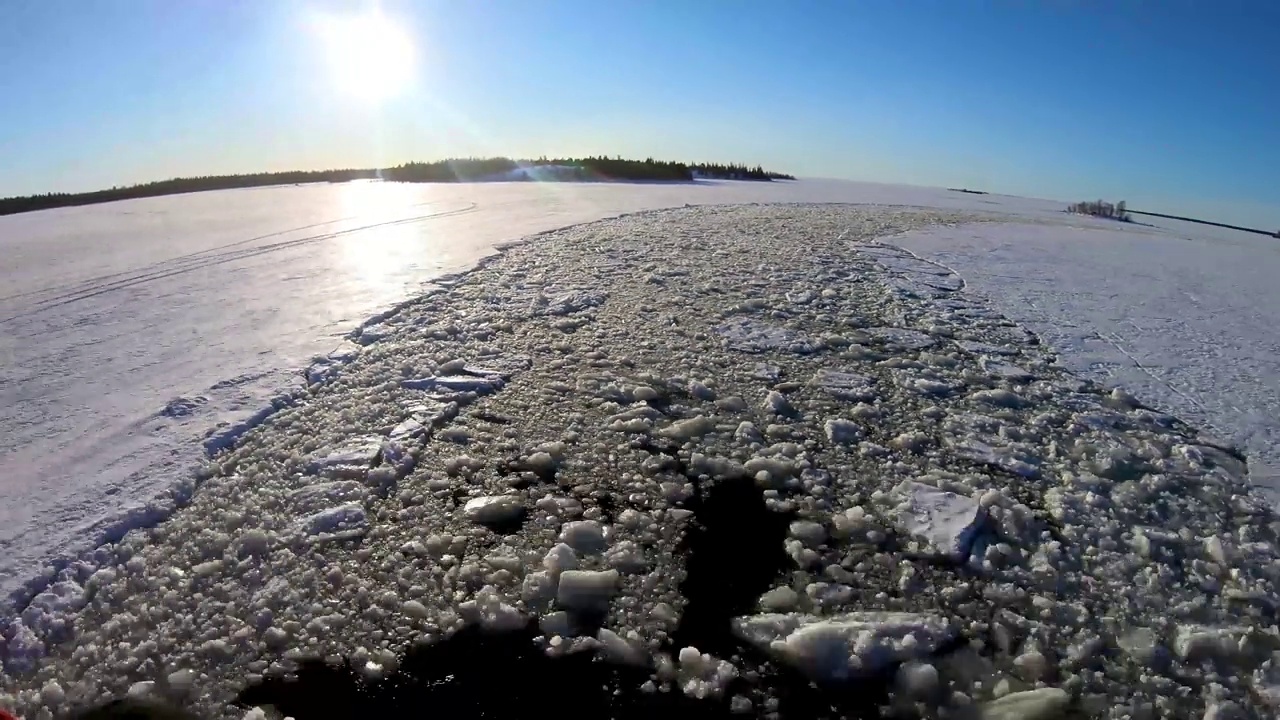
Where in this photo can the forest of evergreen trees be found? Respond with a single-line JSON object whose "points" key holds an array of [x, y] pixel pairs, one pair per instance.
{"points": [[736, 172], [454, 170]]}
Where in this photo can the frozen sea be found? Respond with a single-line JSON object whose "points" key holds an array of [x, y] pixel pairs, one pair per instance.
{"points": [[135, 334]]}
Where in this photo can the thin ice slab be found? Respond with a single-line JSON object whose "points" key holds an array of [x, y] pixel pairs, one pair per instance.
{"points": [[848, 645], [753, 336], [946, 521]]}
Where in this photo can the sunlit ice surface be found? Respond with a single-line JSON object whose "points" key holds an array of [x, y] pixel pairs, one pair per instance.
{"points": [[381, 254]]}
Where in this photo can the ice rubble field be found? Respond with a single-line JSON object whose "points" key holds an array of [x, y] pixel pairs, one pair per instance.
{"points": [[766, 433]]}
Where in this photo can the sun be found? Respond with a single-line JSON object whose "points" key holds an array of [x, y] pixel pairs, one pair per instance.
{"points": [[370, 57]]}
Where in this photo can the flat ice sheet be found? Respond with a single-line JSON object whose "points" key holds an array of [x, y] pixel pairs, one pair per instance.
{"points": [[128, 330], [1186, 318]]}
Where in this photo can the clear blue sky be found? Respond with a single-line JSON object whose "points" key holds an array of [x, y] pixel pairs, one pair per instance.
{"points": [[1170, 104]]}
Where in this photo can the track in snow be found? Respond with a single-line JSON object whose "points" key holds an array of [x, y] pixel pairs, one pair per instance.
{"points": [[205, 259]]}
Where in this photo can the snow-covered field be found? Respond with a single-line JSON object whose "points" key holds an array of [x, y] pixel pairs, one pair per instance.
{"points": [[568, 435], [1186, 317]]}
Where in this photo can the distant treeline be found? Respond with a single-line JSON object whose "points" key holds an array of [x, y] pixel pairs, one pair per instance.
{"points": [[455, 170], [736, 172], [566, 169], [1102, 209], [11, 205]]}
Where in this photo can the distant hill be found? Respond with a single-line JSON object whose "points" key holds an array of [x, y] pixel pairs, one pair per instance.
{"points": [[587, 169]]}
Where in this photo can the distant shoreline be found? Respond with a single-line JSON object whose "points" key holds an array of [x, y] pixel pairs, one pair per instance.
{"points": [[499, 169]]}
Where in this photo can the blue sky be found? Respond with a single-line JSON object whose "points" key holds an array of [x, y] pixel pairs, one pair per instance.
{"points": [[1169, 104]]}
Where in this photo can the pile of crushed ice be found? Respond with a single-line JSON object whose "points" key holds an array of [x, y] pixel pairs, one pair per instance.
{"points": [[536, 444]]}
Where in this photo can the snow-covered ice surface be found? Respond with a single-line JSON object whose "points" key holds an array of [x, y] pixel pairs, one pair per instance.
{"points": [[917, 503], [1185, 318], [133, 332]]}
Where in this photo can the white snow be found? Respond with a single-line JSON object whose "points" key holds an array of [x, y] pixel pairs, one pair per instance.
{"points": [[1185, 318]]}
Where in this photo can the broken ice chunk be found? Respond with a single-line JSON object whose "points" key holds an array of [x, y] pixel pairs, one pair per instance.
{"points": [[770, 373], [586, 590], [56, 605], [753, 336], [999, 397], [844, 384], [24, 650], [576, 301], [843, 432], [322, 368], [981, 348], [626, 557], [1039, 704], [372, 333], [344, 521], [928, 386], [559, 558], [433, 413], [777, 404], [1002, 457], [584, 536], [479, 384], [902, 337], [407, 429], [354, 457], [846, 645], [948, 522], [1196, 643], [503, 366], [318, 496], [1103, 420], [617, 650], [684, 430], [801, 297], [1007, 370], [494, 509]]}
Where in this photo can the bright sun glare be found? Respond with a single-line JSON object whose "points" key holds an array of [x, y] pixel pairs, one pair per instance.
{"points": [[370, 57]]}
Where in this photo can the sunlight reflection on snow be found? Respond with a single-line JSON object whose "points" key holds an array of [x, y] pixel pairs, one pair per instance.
{"points": [[390, 229]]}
